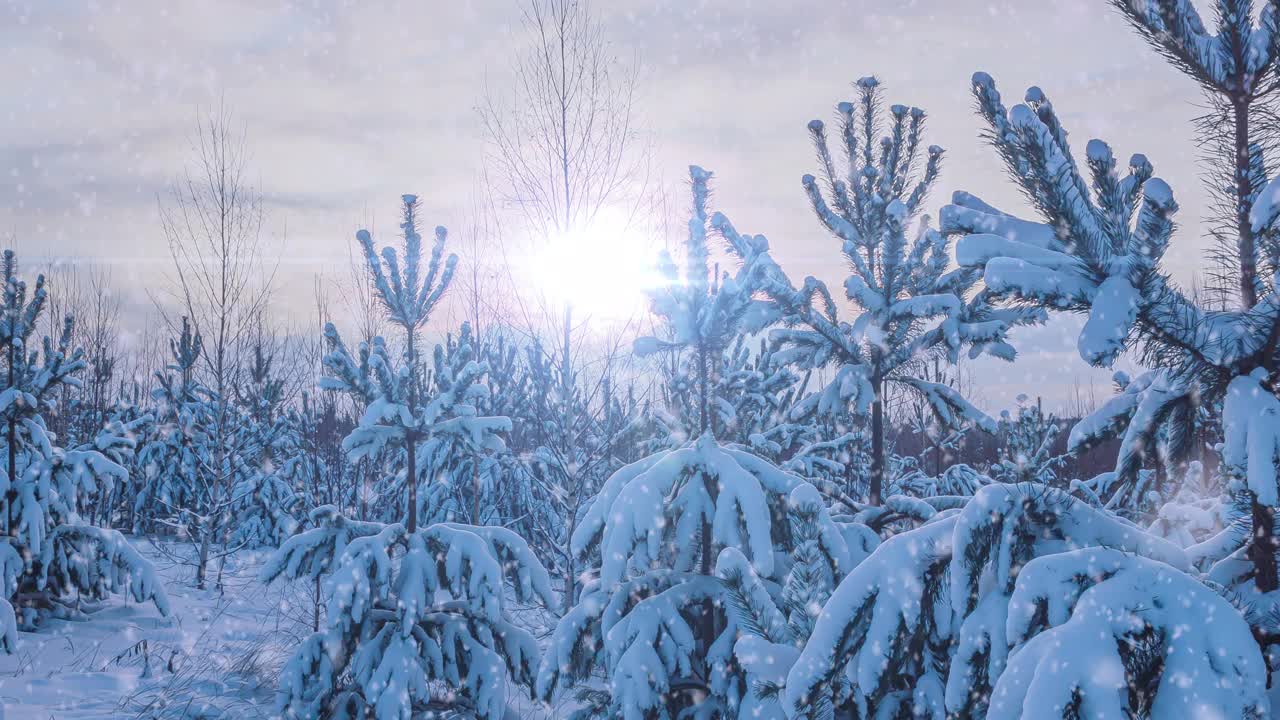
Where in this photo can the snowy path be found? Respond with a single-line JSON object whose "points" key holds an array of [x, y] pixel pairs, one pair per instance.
{"points": [[216, 656]]}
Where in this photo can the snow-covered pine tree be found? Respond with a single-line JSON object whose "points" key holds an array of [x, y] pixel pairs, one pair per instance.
{"points": [[908, 303], [258, 389], [1098, 247], [775, 624], [121, 439], [953, 484], [759, 404], [467, 459], [496, 493], [313, 463], [51, 559], [265, 506], [835, 451], [416, 616], [653, 615], [94, 472], [416, 623], [1026, 445], [755, 393], [763, 406], [408, 294], [751, 393], [575, 438], [169, 457], [204, 450], [450, 437]]}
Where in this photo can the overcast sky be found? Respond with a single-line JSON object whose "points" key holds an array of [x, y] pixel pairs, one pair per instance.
{"points": [[350, 104]]}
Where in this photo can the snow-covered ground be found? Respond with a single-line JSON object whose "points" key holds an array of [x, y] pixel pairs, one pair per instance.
{"points": [[216, 656]]}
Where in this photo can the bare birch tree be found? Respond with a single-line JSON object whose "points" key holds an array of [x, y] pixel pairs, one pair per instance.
{"points": [[213, 222], [99, 325], [564, 146]]}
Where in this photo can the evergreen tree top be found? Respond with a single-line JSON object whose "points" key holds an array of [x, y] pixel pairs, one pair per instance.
{"points": [[704, 308], [405, 291]]}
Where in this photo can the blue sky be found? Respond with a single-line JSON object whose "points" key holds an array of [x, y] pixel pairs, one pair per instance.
{"points": [[348, 105]]}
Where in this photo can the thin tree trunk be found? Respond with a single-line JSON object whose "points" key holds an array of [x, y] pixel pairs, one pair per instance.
{"points": [[704, 421], [206, 536], [709, 630], [359, 481], [213, 523], [566, 441], [411, 439], [571, 572], [222, 564], [411, 479], [1263, 550], [475, 485], [315, 609], [877, 444], [1244, 188], [13, 443], [1262, 553]]}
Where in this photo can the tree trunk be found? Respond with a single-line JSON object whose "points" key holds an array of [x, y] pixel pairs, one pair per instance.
{"points": [[212, 520], [475, 485], [411, 479], [877, 444], [704, 421], [411, 438], [704, 566], [222, 564], [1244, 188], [12, 494], [571, 570], [1263, 550], [315, 609], [202, 563], [709, 630], [566, 441], [360, 490]]}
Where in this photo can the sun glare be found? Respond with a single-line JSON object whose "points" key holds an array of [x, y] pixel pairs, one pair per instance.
{"points": [[602, 270]]}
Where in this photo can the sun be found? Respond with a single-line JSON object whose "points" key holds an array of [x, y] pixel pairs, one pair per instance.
{"points": [[601, 270]]}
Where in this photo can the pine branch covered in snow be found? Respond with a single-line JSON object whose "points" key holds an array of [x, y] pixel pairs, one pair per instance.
{"points": [[1098, 248], [1179, 648], [929, 620]]}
